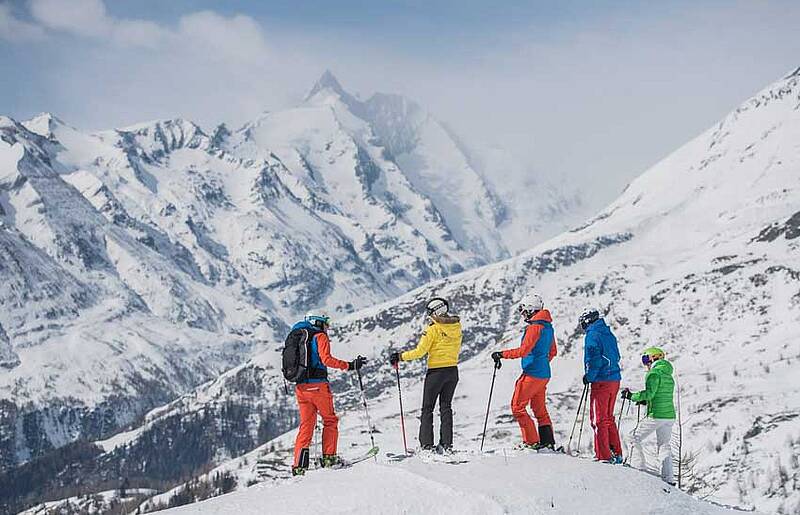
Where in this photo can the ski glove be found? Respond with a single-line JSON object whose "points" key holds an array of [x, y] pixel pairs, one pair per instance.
{"points": [[585, 379], [626, 393], [357, 363], [497, 356], [394, 358]]}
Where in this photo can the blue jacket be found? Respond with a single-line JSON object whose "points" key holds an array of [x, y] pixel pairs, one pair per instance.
{"points": [[537, 348], [600, 353]]}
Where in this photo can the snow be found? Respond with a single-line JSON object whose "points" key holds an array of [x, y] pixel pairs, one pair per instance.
{"points": [[9, 157], [486, 484], [676, 261]]}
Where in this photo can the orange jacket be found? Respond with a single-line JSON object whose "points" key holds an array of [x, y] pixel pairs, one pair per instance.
{"points": [[324, 350], [538, 346]]}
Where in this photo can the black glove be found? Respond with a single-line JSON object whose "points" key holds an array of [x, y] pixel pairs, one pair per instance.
{"points": [[357, 363], [585, 379], [626, 393], [497, 356], [394, 358]]}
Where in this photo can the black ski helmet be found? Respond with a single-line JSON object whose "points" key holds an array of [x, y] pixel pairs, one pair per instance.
{"points": [[437, 306], [588, 317]]}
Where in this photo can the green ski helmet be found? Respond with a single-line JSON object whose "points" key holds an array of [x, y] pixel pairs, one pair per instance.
{"points": [[651, 355]]}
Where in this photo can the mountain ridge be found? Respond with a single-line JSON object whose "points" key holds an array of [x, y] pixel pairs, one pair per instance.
{"points": [[696, 256]]}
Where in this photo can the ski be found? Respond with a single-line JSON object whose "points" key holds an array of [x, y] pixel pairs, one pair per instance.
{"points": [[451, 459], [348, 462], [392, 456]]}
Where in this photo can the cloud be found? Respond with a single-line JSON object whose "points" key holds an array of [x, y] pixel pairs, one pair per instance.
{"points": [[588, 99], [79, 17], [218, 37], [204, 65], [239, 37], [15, 30]]}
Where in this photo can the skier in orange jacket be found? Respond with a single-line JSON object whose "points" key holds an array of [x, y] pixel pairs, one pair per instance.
{"points": [[537, 349], [314, 395]]}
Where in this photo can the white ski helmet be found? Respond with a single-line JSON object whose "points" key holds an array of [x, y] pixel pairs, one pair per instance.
{"points": [[530, 304], [437, 306]]}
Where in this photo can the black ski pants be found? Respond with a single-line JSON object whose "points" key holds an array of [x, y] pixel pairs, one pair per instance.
{"points": [[439, 383]]}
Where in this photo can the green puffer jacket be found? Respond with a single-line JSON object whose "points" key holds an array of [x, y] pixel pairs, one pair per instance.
{"points": [[658, 390]]}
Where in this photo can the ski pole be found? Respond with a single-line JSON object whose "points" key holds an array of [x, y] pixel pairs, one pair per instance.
{"points": [[680, 439], [489, 405], [621, 409], [583, 417], [577, 414], [366, 410], [402, 418], [635, 428]]}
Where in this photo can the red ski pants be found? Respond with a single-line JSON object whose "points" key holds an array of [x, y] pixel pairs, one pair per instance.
{"points": [[530, 391], [606, 435], [313, 398]]}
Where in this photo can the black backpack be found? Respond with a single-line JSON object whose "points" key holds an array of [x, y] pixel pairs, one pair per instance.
{"points": [[296, 364]]}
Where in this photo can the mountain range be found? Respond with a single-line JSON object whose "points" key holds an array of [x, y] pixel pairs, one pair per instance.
{"points": [[140, 262], [697, 256]]}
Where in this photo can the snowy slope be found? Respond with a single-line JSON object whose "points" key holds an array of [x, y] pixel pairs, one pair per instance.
{"points": [[522, 484], [699, 256]]}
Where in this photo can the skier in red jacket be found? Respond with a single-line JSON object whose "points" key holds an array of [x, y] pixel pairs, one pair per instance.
{"points": [[537, 349]]}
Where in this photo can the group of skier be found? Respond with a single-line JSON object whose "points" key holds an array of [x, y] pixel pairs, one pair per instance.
{"points": [[441, 343]]}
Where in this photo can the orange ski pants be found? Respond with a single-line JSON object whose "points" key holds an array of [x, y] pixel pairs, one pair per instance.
{"points": [[530, 391], [313, 398]]}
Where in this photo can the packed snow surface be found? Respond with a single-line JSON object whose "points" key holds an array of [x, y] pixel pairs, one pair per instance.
{"points": [[530, 484]]}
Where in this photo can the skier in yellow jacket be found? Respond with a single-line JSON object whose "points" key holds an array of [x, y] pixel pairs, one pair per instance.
{"points": [[441, 341]]}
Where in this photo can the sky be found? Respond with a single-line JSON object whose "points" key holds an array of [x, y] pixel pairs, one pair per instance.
{"points": [[588, 94]]}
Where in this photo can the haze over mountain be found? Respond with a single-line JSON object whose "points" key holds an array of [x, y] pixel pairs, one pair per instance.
{"points": [[698, 256], [140, 262]]}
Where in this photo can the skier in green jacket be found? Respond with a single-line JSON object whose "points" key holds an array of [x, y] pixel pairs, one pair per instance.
{"points": [[658, 393]]}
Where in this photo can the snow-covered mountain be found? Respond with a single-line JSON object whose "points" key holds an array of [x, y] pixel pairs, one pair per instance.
{"points": [[698, 256], [140, 262]]}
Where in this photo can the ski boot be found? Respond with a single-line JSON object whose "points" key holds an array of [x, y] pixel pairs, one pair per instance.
{"points": [[425, 452], [547, 438], [446, 450], [302, 464], [539, 446], [331, 461]]}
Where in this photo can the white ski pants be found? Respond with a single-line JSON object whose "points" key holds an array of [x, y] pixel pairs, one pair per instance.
{"points": [[663, 430]]}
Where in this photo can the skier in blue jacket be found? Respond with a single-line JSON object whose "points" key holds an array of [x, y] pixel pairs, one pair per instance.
{"points": [[602, 372]]}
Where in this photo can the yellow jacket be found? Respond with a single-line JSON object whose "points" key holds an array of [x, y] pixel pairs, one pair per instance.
{"points": [[441, 341]]}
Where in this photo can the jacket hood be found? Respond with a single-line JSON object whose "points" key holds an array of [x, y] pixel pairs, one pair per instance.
{"points": [[446, 319], [598, 325], [543, 315], [662, 366]]}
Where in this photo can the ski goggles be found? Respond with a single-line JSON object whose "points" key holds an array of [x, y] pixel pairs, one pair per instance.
{"points": [[321, 319], [647, 360]]}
